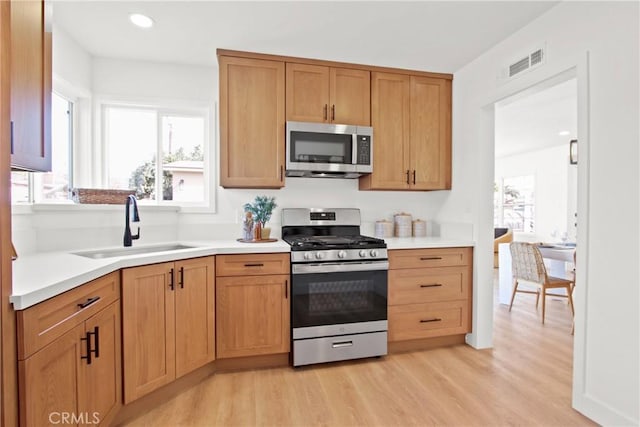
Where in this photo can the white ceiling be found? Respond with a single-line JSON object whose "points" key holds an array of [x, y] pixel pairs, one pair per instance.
{"points": [[439, 36], [533, 122]]}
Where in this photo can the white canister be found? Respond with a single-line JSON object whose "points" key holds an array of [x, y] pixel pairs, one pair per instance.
{"points": [[384, 228], [402, 225], [419, 228]]}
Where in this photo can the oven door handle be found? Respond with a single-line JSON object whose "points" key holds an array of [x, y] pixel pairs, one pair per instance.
{"points": [[335, 267]]}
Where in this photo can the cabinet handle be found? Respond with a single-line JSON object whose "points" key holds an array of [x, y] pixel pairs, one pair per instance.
{"points": [[333, 112], [408, 171], [342, 344], [431, 320], [430, 258], [88, 302], [171, 279], [181, 280], [96, 334], [281, 171], [325, 111], [87, 340], [11, 127], [434, 285], [286, 289], [254, 265], [414, 177]]}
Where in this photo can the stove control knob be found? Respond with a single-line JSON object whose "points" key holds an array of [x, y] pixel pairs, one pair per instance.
{"points": [[319, 255], [307, 255], [362, 253], [374, 253], [342, 254]]}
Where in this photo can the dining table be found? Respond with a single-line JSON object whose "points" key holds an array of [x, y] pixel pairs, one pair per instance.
{"points": [[558, 259]]}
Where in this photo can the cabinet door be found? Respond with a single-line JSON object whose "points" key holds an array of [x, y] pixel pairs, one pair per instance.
{"points": [[251, 123], [430, 133], [350, 96], [148, 328], [49, 378], [390, 108], [101, 393], [195, 314], [252, 315], [30, 87], [307, 93]]}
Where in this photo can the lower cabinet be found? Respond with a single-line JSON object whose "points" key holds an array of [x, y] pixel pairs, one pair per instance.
{"points": [[429, 293], [252, 305], [168, 322], [75, 379]]}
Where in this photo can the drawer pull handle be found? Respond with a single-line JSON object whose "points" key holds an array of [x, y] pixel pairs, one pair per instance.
{"points": [[96, 334], [254, 265], [431, 320], [434, 285], [181, 281], [341, 344], [88, 302], [430, 258], [171, 286]]}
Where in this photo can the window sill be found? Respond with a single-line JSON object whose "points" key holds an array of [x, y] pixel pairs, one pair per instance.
{"points": [[26, 209]]}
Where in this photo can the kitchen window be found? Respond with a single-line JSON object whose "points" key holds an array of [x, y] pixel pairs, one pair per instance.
{"points": [[54, 186], [143, 143]]}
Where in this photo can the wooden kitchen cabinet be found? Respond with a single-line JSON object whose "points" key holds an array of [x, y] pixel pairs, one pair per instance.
{"points": [[167, 322], [411, 118], [252, 111], [252, 308], [323, 94], [77, 368], [30, 86], [429, 293]]}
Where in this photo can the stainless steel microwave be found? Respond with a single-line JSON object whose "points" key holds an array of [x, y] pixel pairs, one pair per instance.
{"points": [[328, 150]]}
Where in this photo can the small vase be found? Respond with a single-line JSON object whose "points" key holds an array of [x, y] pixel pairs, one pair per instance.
{"points": [[257, 231], [266, 233]]}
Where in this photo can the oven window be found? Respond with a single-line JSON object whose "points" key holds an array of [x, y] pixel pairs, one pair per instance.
{"points": [[336, 298], [311, 147]]}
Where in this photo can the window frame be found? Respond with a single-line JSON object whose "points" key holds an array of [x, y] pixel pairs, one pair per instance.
{"points": [[162, 108], [499, 219]]}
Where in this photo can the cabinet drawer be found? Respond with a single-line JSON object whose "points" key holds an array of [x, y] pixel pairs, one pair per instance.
{"points": [[41, 324], [416, 285], [415, 321], [252, 264], [418, 258]]}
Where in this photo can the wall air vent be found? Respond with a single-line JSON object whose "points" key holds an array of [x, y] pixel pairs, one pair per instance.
{"points": [[533, 60], [518, 67]]}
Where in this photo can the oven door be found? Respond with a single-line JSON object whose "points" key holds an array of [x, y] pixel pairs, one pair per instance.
{"points": [[338, 298]]}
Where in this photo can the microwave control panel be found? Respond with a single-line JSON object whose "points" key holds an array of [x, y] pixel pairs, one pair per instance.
{"points": [[364, 150]]}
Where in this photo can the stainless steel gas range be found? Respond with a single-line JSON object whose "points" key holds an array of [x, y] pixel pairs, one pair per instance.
{"points": [[338, 286]]}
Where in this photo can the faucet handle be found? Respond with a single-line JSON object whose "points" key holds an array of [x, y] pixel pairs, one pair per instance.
{"points": [[136, 236]]}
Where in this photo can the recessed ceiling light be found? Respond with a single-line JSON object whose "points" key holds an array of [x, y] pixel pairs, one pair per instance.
{"points": [[142, 21], [564, 133]]}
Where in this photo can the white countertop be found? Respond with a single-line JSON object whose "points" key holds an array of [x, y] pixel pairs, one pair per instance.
{"points": [[41, 276], [425, 242]]}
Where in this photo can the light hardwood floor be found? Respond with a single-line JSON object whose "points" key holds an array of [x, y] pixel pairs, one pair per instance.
{"points": [[524, 380]]}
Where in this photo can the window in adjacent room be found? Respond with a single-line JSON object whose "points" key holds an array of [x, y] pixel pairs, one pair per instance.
{"points": [[514, 203]]}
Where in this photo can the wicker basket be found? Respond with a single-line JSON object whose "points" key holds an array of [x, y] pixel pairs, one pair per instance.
{"points": [[100, 196]]}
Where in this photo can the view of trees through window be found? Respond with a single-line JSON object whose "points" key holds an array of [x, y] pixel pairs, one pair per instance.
{"points": [[514, 203], [137, 137]]}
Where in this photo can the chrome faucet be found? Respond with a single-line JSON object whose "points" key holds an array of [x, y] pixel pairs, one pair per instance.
{"points": [[131, 203]]}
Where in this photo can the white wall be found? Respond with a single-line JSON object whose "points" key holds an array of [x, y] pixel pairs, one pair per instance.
{"points": [[550, 169], [606, 356], [71, 64]]}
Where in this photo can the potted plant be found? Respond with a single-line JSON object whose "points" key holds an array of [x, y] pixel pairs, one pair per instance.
{"points": [[261, 209]]}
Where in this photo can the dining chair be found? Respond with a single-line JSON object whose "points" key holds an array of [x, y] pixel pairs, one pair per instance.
{"points": [[527, 264]]}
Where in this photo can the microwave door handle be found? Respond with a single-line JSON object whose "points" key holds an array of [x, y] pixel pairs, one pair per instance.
{"points": [[354, 149]]}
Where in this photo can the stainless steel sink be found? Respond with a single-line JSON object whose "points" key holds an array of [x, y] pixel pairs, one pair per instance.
{"points": [[110, 253]]}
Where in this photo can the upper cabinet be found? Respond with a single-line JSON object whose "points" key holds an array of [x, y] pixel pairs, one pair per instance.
{"points": [[323, 94], [30, 87], [251, 123], [411, 119]]}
